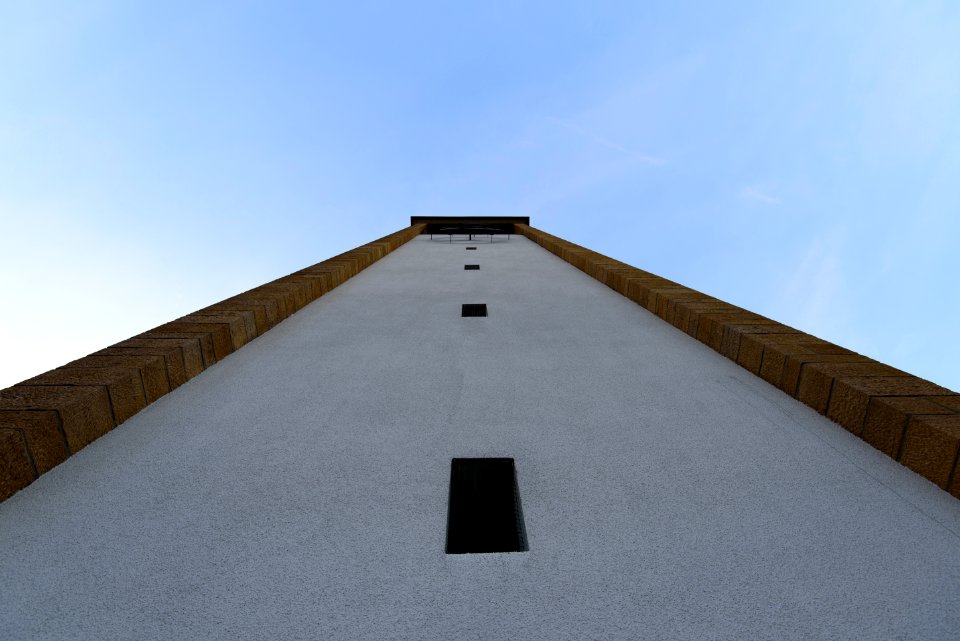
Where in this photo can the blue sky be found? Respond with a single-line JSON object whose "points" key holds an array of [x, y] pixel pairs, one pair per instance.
{"points": [[801, 161]]}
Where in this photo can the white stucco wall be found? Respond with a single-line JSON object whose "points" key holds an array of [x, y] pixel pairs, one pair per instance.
{"points": [[298, 489]]}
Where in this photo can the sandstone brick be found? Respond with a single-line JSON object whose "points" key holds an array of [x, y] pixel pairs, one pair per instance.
{"points": [[171, 359], [618, 279], [573, 255], [887, 417], [752, 347], [16, 468], [951, 401], [351, 262], [733, 336], [84, 412], [823, 347], [261, 319], [658, 297], [809, 345], [45, 441], [247, 319], [851, 395], [295, 294], [711, 325], [588, 263], [345, 264], [89, 396], [638, 288], [687, 315], [189, 349], [322, 278], [670, 306], [816, 379], [153, 370], [358, 260], [274, 307], [236, 326], [284, 298], [124, 386], [613, 276], [338, 270], [311, 287], [930, 447], [793, 365], [208, 353], [585, 260], [603, 270], [221, 333], [750, 355], [330, 275], [777, 351]]}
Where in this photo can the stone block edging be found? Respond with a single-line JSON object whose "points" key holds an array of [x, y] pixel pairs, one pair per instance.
{"points": [[912, 420], [49, 417]]}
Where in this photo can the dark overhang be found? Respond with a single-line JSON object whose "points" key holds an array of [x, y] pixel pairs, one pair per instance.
{"points": [[467, 224]]}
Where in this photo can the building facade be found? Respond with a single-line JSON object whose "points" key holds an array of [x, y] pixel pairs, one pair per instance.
{"points": [[683, 468]]}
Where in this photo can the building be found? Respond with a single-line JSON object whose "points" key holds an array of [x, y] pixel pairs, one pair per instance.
{"points": [[685, 469]]}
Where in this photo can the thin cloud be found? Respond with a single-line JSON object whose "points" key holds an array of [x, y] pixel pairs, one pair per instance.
{"points": [[754, 194], [815, 296], [647, 159]]}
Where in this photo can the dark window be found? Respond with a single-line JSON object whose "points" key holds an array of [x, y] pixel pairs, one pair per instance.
{"points": [[471, 247], [471, 266], [473, 309], [484, 513]]}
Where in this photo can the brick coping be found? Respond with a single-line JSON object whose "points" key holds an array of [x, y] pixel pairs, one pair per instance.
{"points": [[49, 417], [910, 419]]}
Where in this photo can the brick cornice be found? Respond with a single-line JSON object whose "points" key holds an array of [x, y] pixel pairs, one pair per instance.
{"points": [[51, 416], [910, 419]]}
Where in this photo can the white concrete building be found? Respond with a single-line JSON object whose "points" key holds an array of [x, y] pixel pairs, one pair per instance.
{"points": [[299, 488]]}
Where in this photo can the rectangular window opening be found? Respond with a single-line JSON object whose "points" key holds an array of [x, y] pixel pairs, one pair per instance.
{"points": [[469, 248], [475, 309], [468, 267], [484, 514]]}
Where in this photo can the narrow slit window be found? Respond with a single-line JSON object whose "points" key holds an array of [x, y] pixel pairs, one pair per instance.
{"points": [[473, 248], [484, 514], [469, 267], [473, 309]]}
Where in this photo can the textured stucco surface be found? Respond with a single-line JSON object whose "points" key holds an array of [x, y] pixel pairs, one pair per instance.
{"points": [[298, 489]]}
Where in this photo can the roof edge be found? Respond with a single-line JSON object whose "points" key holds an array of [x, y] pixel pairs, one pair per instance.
{"points": [[912, 420], [461, 220], [46, 419]]}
